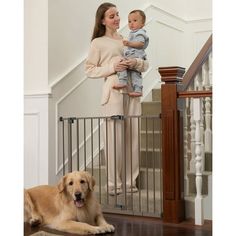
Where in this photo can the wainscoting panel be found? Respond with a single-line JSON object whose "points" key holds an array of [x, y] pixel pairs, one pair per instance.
{"points": [[31, 149], [36, 140]]}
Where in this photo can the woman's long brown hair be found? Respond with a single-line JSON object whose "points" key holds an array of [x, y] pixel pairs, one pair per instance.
{"points": [[100, 29]]}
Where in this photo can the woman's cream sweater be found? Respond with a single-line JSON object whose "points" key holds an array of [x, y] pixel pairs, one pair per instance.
{"points": [[103, 53]]}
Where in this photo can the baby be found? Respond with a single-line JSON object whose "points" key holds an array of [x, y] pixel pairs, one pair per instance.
{"points": [[136, 44]]}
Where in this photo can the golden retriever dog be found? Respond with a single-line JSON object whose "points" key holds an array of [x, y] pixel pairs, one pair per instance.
{"points": [[70, 206]]}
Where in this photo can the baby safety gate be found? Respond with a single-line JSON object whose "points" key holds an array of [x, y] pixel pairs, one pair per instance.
{"points": [[84, 143]]}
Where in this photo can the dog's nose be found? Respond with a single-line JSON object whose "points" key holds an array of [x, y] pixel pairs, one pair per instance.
{"points": [[78, 196]]}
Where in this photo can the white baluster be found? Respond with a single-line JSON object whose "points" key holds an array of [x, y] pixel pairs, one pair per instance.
{"points": [[192, 128], [208, 131], [205, 74], [189, 153], [204, 78], [199, 80], [186, 160], [197, 107], [210, 68]]}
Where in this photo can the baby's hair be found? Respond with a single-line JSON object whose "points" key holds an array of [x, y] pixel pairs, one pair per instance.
{"points": [[142, 14]]}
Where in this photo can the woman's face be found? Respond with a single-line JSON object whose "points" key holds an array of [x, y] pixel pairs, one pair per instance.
{"points": [[111, 19]]}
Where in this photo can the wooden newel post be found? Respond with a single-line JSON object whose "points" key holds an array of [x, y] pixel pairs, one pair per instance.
{"points": [[172, 145]]}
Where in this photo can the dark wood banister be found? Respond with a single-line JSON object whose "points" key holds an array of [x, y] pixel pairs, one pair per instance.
{"points": [[173, 90], [197, 64], [194, 94]]}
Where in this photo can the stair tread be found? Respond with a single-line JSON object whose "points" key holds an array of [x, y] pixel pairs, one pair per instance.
{"points": [[150, 149], [150, 132], [192, 197], [141, 168], [151, 102], [142, 191], [203, 173]]}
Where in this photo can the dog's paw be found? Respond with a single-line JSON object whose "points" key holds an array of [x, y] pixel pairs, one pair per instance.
{"points": [[109, 228], [35, 220], [97, 230]]}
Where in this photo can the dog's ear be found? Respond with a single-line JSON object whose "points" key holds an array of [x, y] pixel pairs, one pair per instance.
{"points": [[91, 180], [62, 183]]}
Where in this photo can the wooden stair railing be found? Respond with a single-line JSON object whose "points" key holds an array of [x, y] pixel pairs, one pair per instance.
{"points": [[197, 64], [173, 90]]}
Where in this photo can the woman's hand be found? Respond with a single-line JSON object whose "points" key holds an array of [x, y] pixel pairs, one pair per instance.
{"points": [[121, 65], [131, 62]]}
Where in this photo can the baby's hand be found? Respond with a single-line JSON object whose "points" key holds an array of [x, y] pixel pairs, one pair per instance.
{"points": [[125, 42]]}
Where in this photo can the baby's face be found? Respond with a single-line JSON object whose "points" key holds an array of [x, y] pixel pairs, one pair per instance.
{"points": [[135, 21]]}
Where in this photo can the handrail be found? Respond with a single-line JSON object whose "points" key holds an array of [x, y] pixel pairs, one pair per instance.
{"points": [[194, 94], [197, 64]]}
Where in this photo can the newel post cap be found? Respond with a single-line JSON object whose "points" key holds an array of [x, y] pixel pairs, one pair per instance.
{"points": [[172, 74]]}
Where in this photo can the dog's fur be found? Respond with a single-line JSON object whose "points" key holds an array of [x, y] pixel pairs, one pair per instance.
{"points": [[70, 206]]}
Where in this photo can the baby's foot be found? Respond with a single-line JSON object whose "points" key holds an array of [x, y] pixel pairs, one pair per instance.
{"points": [[135, 94], [119, 86]]}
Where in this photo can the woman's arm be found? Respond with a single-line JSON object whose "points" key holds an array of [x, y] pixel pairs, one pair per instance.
{"points": [[93, 70], [92, 67], [137, 64]]}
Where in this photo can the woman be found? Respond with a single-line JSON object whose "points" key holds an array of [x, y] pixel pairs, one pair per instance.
{"points": [[104, 62]]}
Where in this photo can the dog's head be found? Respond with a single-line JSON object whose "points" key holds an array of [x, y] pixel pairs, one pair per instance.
{"points": [[77, 185]]}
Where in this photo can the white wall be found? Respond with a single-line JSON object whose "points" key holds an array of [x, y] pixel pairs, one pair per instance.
{"points": [[195, 10], [186, 9], [36, 46], [174, 7]]}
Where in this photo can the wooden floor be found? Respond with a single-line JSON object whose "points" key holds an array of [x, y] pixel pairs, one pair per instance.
{"points": [[139, 226]]}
